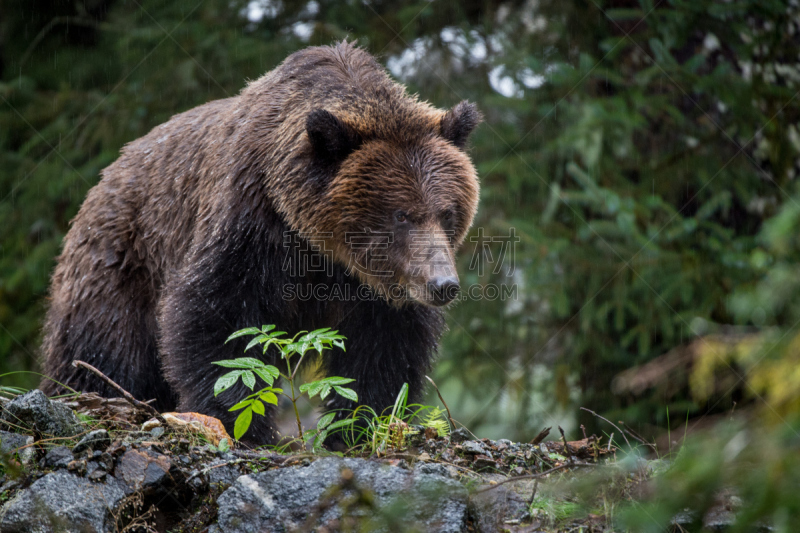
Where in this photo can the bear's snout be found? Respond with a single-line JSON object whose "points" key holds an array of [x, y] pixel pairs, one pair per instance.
{"points": [[443, 290]]}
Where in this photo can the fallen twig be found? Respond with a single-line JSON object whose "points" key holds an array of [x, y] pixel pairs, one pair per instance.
{"points": [[208, 469], [533, 492], [541, 436], [639, 438], [449, 417], [610, 422], [567, 450], [37, 443], [125, 394]]}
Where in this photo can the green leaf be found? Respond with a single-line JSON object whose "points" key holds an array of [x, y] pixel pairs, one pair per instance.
{"points": [[241, 405], [326, 389], [325, 420], [242, 423], [226, 381], [268, 374], [258, 407], [290, 348], [258, 340], [224, 445], [241, 362], [243, 332], [341, 423], [268, 397], [312, 388], [350, 394], [336, 380], [320, 440], [265, 329], [249, 379]]}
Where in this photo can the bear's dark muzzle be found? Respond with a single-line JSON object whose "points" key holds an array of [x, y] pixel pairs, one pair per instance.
{"points": [[443, 290]]}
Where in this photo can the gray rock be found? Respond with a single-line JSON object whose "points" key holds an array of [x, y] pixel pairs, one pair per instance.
{"points": [[504, 444], [94, 440], [483, 462], [459, 435], [61, 501], [35, 411], [14, 443], [143, 470], [436, 469], [491, 509], [277, 500], [225, 475], [98, 474], [58, 457], [475, 447]]}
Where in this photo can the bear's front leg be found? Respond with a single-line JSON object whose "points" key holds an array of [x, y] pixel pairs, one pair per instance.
{"points": [[385, 348], [224, 286]]}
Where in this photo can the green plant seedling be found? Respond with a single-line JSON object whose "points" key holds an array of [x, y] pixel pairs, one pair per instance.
{"points": [[378, 433], [248, 369]]}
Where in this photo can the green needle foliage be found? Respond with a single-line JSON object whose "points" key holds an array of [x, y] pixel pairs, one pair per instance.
{"points": [[247, 368]]}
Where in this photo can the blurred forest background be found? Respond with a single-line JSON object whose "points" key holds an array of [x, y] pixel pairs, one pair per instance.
{"points": [[645, 154]]}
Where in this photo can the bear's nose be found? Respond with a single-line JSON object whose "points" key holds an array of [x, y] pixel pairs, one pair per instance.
{"points": [[443, 289]]}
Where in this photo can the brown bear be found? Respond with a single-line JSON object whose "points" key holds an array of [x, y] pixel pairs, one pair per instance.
{"points": [[321, 178]]}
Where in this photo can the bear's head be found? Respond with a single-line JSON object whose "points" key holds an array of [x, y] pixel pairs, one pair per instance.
{"points": [[399, 194]]}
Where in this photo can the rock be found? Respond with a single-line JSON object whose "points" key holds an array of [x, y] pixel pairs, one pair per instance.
{"points": [[504, 444], [106, 461], [94, 440], [77, 466], [280, 499], [150, 425], [491, 509], [474, 447], [459, 435], [484, 461], [61, 501], [437, 501], [34, 411], [225, 475], [209, 427], [11, 443], [98, 474], [140, 470], [434, 469], [58, 457]]}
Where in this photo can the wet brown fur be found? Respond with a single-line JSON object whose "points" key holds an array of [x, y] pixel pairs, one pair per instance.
{"points": [[182, 241]]}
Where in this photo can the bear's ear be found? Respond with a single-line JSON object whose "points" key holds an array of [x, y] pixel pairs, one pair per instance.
{"points": [[331, 139], [459, 122]]}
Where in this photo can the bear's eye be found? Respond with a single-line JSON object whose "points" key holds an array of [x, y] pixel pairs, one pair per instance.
{"points": [[447, 216], [400, 216]]}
